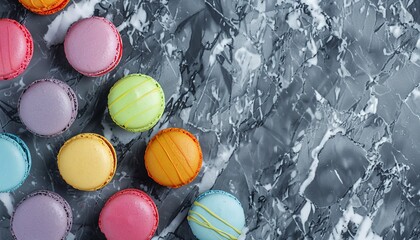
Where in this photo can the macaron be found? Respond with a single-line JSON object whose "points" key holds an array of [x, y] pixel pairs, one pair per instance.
{"points": [[216, 214], [173, 157], [15, 162], [48, 107], [41, 215], [136, 102], [93, 46], [87, 161], [129, 214], [16, 48], [44, 7]]}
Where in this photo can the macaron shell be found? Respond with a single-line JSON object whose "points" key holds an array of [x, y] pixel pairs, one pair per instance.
{"points": [[130, 215], [216, 215], [48, 107], [93, 46], [173, 157], [136, 102], [16, 48], [87, 162], [15, 162], [44, 7], [41, 215]]}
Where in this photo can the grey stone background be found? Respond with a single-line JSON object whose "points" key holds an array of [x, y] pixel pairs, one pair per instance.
{"points": [[308, 111]]}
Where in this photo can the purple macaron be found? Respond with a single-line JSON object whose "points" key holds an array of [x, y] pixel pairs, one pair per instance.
{"points": [[41, 215], [48, 107]]}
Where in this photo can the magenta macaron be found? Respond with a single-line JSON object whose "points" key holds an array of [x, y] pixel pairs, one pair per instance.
{"points": [[48, 107], [41, 215], [16, 48], [93, 46], [129, 214]]}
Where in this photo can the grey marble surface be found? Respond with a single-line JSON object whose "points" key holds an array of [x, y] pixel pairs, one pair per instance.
{"points": [[307, 110]]}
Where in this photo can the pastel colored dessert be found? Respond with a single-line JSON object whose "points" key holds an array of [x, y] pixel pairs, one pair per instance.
{"points": [[44, 7], [136, 102], [41, 215], [15, 162], [93, 46], [216, 214], [129, 214], [16, 48], [48, 107], [87, 161], [173, 157]]}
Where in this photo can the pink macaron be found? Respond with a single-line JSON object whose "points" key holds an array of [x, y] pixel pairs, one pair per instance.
{"points": [[129, 214], [16, 48], [93, 46]]}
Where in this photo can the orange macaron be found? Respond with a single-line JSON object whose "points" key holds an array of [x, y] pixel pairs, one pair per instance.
{"points": [[44, 7], [173, 157]]}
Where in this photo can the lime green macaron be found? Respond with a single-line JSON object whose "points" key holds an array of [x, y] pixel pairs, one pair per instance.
{"points": [[136, 102]]}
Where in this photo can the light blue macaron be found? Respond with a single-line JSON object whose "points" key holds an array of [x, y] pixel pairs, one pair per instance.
{"points": [[216, 214], [15, 162]]}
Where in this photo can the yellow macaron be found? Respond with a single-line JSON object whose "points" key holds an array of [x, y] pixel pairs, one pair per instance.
{"points": [[87, 161]]}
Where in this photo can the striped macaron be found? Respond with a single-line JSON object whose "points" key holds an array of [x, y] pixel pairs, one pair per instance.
{"points": [[173, 157], [136, 102]]}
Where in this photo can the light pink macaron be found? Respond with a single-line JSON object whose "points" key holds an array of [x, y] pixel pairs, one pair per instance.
{"points": [[93, 46]]}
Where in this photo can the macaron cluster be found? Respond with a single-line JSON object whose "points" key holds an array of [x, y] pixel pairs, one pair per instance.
{"points": [[88, 161]]}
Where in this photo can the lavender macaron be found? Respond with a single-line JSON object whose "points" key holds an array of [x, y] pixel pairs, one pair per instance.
{"points": [[48, 107], [41, 215]]}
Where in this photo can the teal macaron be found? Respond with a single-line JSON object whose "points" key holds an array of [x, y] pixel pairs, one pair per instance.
{"points": [[15, 162], [216, 214]]}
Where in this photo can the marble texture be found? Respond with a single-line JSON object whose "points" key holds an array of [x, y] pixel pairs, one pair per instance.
{"points": [[307, 110]]}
